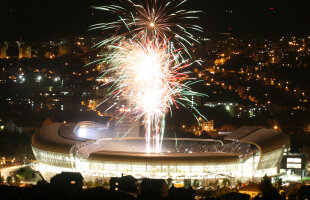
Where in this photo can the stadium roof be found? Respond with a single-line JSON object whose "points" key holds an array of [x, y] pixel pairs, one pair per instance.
{"points": [[265, 139], [60, 138]]}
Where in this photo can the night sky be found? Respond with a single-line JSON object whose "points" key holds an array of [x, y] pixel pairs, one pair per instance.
{"points": [[44, 20]]}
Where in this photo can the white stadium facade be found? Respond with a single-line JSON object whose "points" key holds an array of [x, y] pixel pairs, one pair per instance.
{"points": [[246, 154]]}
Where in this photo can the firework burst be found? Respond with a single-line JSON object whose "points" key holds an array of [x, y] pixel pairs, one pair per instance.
{"points": [[151, 19], [150, 75]]}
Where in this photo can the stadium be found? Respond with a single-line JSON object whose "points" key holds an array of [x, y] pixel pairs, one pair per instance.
{"points": [[87, 147]]}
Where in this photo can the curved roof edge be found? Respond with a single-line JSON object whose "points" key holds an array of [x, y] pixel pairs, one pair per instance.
{"points": [[266, 140]]}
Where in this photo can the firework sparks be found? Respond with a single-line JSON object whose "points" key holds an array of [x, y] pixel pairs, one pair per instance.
{"points": [[149, 75], [151, 19], [147, 69]]}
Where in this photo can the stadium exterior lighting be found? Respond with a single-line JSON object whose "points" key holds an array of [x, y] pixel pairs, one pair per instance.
{"points": [[88, 148], [82, 132]]}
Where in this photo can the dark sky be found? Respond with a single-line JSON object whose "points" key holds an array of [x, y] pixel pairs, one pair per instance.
{"points": [[47, 19]]}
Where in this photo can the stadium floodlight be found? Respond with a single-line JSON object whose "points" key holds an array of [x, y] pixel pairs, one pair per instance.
{"points": [[82, 132]]}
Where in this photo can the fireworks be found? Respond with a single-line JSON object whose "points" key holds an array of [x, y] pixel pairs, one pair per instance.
{"points": [[147, 69], [149, 75], [152, 19]]}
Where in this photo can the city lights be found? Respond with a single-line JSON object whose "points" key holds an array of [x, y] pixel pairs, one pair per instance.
{"points": [[217, 97], [39, 78]]}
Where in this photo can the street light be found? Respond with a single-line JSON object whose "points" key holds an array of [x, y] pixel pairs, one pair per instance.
{"points": [[39, 78], [21, 78], [25, 159]]}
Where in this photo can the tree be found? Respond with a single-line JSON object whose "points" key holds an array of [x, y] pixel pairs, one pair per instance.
{"points": [[89, 184], [266, 184], [239, 183], [97, 183], [9, 180], [106, 183], [187, 183], [169, 182], [41, 182], [26, 173], [278, 182], [225, 182], [304, 192], [195, 183], [269, 192], [17, 180]]}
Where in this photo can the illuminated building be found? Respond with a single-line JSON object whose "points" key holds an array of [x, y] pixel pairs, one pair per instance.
{"points": [[64, 50], [3, 49], [84, 147], [208, 126], [49, 54], [24, 52], [215, 104], [220, 61]]}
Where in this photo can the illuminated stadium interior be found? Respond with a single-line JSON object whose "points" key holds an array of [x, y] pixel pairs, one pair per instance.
{"points": [[88, 148]]}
